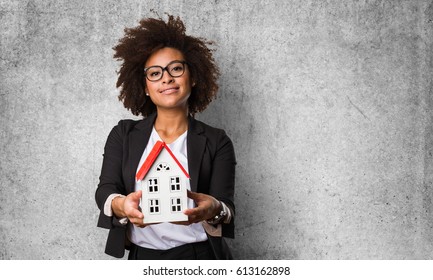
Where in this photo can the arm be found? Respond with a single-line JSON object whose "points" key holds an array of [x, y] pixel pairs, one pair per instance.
{"points": [[127, 207], [222, 182], [111, 197], [110, 180], [220, 191], [111, 183], [207, 207]]}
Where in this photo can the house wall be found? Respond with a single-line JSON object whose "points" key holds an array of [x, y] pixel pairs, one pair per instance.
{"points": [[328, 103], [164, 194]]}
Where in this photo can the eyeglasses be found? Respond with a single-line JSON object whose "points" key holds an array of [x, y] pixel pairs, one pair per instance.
{"points": [[175, 69]]}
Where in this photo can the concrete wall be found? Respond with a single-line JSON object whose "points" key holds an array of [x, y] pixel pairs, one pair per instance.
{"points": [[329, 105]]}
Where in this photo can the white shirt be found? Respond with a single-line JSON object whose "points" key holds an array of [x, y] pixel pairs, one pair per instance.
{"points": [[164, 236]]}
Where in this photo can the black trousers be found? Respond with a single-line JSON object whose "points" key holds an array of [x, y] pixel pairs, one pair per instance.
{"points": [[191, 251]]}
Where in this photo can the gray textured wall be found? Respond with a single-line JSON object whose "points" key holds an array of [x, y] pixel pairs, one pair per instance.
{"points": [[329, 105]]}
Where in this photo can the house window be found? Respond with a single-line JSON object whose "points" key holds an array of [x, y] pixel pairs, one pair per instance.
{"points": [[162, 167], [175, 184], [154, 206], [176, 205], [152, 185]]}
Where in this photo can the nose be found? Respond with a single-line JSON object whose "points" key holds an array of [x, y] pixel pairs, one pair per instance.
{"points": [[166, 77]]}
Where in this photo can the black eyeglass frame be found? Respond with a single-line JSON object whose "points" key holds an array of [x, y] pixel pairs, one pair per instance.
{"points": [[166, 69]]}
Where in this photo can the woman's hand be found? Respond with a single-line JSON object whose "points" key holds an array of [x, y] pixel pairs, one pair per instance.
{"points": [[207, 207], [129, 207]]}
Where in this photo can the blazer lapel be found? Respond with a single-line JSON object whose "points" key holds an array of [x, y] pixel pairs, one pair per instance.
{"points": [[138, 139], [196, 144]]}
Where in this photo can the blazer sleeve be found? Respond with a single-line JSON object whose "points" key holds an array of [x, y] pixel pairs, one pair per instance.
{"points": [[110, 180], [222, 182]]}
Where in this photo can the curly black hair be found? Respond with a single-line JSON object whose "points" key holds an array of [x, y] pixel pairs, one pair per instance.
{"points": [[150, 35]]}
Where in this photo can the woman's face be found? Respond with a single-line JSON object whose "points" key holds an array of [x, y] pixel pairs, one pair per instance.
{"points": [[168, 92]]}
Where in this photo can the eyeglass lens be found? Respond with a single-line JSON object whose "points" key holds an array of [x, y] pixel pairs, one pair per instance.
{"points": [[175, 69]]}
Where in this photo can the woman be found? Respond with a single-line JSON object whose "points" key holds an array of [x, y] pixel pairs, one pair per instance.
{"points": [[167, 76]]}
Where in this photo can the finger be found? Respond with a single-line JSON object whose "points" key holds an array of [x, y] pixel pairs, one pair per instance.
{"points": [[188, 211], [136, 196], [136, 222], [134, 214], [195, 219], [192, 219], [192, 195], [185, 223], [142, 225], [193, 211], [195, 216]]}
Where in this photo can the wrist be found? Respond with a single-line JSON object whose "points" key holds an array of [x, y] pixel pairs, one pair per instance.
{"points": [[219, 215], [117, 206], [218, 208]]}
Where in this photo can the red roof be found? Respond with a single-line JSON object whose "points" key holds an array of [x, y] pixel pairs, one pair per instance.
{"points": [[153, 155]]}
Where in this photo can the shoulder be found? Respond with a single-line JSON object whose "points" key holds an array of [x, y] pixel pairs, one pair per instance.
{"points": [[122, 128], [212, 133], [125, 126], [120, 132], [216, 138]]}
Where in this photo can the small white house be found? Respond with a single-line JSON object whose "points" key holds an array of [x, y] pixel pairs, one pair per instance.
{"points": [[163, 183]]}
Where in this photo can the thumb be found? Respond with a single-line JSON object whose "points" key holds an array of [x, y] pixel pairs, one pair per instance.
{"points": [[192, 195], [136, 195]]}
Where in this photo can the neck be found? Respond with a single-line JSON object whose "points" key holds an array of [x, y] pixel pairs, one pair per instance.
{"points": [[171, 123]]}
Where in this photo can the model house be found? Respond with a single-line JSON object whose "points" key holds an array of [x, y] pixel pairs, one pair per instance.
{"points": [[163, 183]]}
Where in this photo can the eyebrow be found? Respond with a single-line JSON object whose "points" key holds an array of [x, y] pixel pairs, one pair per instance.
{"points": [[177, 60]]}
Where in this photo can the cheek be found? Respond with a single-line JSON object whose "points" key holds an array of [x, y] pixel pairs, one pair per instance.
{"points": [[188, 87], [148, 87], [188, 84]]}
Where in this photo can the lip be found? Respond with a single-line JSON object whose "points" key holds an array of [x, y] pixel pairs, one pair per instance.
{"points": [[169, 90]]}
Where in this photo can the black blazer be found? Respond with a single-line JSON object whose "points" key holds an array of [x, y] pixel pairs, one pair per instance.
{"points": [[211, 164]]}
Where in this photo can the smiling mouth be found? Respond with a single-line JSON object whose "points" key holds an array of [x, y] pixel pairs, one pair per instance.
{"points": [[169, 90]]}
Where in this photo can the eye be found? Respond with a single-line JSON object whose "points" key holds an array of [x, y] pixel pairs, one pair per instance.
{"points": [[153, 72], [177, 68]]}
